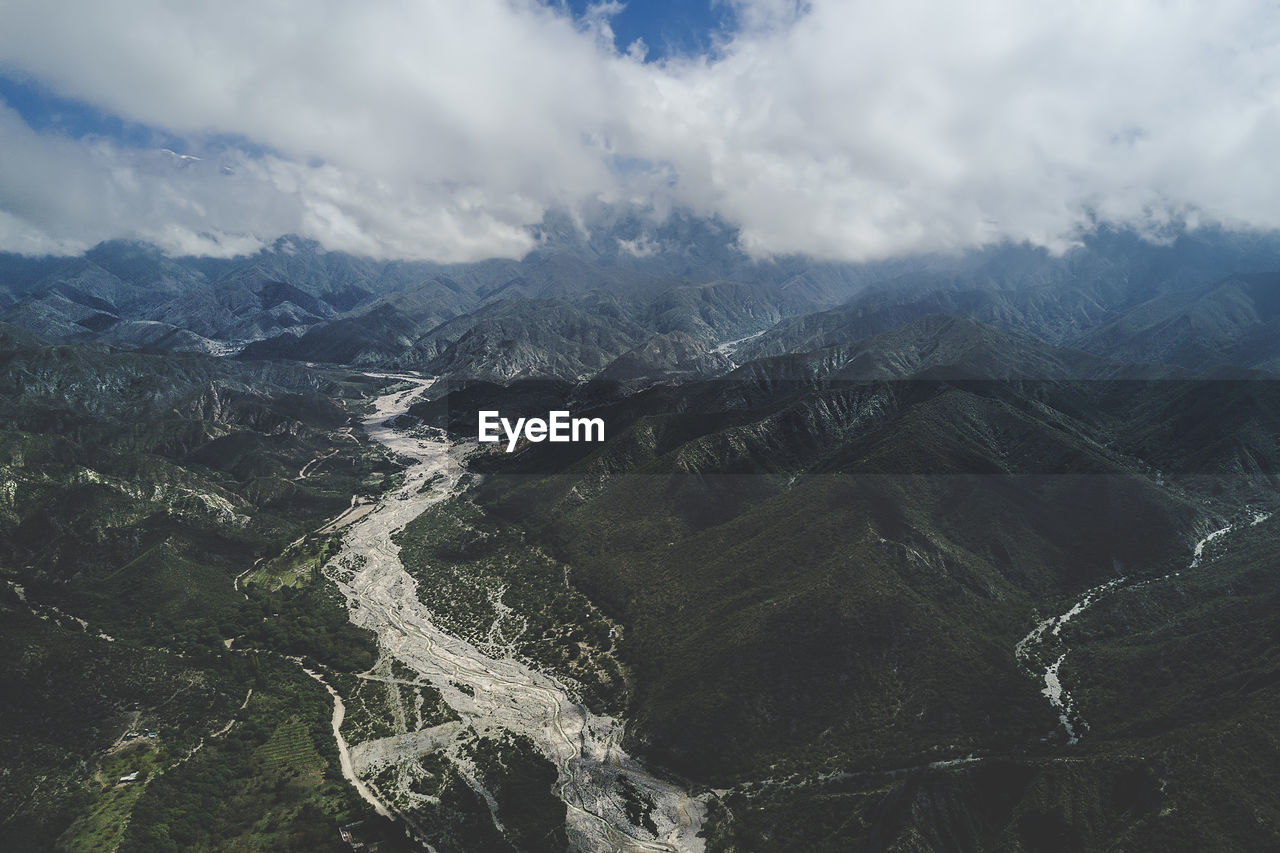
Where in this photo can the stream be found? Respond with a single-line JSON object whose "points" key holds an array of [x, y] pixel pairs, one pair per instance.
{"points": [[1046, 637], [595, 776]]}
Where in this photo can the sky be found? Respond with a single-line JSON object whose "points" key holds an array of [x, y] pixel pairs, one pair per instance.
{"points": [[443, 130]]}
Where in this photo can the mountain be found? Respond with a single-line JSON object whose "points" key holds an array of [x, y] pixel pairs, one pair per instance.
{"points": [[969, 551], [518, 338], [636, 275], [1059, 299], [824, 562], [671, 356], [1233, 321], [580, 337], [935, 346], [135, 492], [376, 336]]}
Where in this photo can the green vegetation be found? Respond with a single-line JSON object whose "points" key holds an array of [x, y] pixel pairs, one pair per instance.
{"points": [[823, 582], [299, 564], [1032, 805], [368, 708], [270, 783], [522, 783], [389, 701], [814, 575], [448, 811], [638, 807], [133, 491], [309, 621], [290, 749], [442, 807], [484, 582]]}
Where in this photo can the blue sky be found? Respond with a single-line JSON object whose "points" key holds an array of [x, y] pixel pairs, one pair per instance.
{"points": [[668, 27], [44, 111]]}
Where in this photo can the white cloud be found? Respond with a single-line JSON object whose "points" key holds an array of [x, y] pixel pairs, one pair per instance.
{"points": [[641, 247], [845, 130]]}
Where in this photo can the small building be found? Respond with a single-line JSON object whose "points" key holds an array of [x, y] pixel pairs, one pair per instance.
{"points": [[358, 836], [132, 777]]}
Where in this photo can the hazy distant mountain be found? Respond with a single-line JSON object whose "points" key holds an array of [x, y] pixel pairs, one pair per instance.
{"points": [[682, 274], [570, 338], [674, 355], [130, 295], [1233, 321], [936, 346], [1069, 300], [519, 338]]}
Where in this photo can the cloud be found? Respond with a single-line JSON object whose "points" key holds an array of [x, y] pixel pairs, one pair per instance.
{"points": [[843, 130]]}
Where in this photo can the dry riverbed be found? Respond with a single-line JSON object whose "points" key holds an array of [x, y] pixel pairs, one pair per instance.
{"points": [[597, 781]]}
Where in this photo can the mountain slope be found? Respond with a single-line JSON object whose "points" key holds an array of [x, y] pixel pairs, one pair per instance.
{"points": [[823, 563], [1235, 321], [135, 490]]}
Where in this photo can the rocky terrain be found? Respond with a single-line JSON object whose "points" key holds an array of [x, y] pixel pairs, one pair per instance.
{"points": [[487, 695]]}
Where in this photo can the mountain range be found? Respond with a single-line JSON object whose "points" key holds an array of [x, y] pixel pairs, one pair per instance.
{"points": [[952, 552]]}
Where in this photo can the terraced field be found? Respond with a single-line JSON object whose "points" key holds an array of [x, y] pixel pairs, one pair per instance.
{"points": [[290, 748]]}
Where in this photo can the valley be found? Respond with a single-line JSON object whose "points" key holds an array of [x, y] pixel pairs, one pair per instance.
{"points": [[578, 426], [489, 695], [903, 560], [1046, 639]]}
